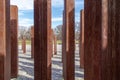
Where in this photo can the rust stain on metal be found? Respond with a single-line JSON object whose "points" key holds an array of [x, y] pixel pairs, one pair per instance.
{"points": [[42, 39]]}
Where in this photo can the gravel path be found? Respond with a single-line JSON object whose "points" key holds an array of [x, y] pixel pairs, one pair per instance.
{"points": [[26, 66]]}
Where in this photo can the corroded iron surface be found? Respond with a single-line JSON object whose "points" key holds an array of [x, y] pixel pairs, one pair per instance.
{"points": [[55, 44], [63, 43], [5, 62], [14, 40], [32, 42], [42, 39], [68, 60], [24, 45], [102, 40], [52, 42], [81, 52]]}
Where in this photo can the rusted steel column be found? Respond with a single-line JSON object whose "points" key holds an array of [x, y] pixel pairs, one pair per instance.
{"points": [[63, 43], [42, 39], [100, 22], [55, 44], [24, 45], [52, 36], [51, 43], [69, 40], [81, 48], [114, 22], [5, 57], [14, 40], [117, 39], [116, 48], [32, 42], [63, 39]]}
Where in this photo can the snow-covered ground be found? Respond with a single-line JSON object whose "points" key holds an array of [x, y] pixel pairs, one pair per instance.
{"points": [[26, 65]]}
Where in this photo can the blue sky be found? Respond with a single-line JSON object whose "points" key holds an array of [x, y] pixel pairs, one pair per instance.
{"points": [[26, 11]]}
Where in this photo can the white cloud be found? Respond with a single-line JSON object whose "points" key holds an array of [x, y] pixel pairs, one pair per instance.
{"points": [[60, 3], [25, 22], [23, 4], [57, 3], [79, 3], [28, 4], [21, 13], [57, 19]]}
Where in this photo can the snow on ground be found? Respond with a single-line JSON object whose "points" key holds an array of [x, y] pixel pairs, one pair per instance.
{"points": [[26, 65]]}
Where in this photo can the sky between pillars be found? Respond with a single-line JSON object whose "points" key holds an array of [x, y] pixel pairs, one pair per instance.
{"points": [[26, 11]]}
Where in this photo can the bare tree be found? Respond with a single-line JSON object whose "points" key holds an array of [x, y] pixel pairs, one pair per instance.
{"points": [[24, 33], [58, 32], [77, 30], [28, 34], [21, 33]]}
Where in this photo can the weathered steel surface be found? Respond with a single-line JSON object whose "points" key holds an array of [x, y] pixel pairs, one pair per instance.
{"points": [[81, 52], [55, 44], [24, 45], [93, 39], [63, 42], [102, 40], [117, 39], [114, 22], [42, 39], [5, 62], [69, 40], [62, 34], [14, 40], [52, 42], [32, 42]]}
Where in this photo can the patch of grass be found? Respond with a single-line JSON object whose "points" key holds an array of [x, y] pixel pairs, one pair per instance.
{"points": [[28, 42], [59, 42], [76, 42]]}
